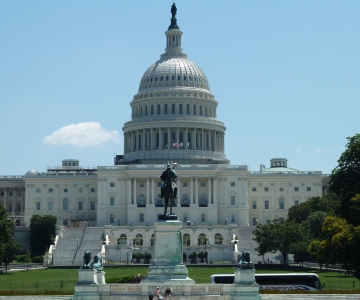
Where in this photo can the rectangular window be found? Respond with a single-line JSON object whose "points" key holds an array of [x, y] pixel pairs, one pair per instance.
{"points": [[281, 203], [185, 184], [80, 190], [255, 221], [112, 184], [38, 206], [185, 217], [112, 201], [92, 205], [141, 218], [2, 194], [112, 218], [266, 204], [296, 202], [202, 183], [253, 189], [19, 193], [38, 190], [266, 189], [308, 189], [10, 193], [50, 205], [92, 190], [141, 184], [232, 200], [203, 217], [80, 205], [159, 184], [232, 183], [282, 219], [254, 205], [296, 189], [51, 190]]}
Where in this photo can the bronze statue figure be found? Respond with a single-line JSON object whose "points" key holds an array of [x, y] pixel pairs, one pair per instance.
{"points": [[244, 260], [87, 260], [173, 10], [97, 265], [169, 188]]}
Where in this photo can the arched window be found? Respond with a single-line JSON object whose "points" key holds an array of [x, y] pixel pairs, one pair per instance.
{"points": [[188, 109], [165, 109], [185, 201], [152, 110], [173, 109], [186, 239], [141, 111], [194, 109], [158, 109], [180, 109], [205, 111], [218, 238], [200, 109], [146, 110], [65, 204], [281, 203], [152, 239], [202, 239], [165, 139], [122, 239], [138, 240]]}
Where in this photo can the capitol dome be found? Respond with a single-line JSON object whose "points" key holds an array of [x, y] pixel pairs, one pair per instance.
{"points": [[172, 72], [173, 114]]}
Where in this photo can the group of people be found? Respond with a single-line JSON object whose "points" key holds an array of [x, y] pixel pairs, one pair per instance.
{"points": [[158, 294]]}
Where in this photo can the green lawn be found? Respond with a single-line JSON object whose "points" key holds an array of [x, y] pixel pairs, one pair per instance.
{"points": [[65, 279]]}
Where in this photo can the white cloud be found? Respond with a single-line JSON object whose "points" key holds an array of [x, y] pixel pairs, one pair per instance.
{"points": [[298, 149], [81, 135], [324, 150]]}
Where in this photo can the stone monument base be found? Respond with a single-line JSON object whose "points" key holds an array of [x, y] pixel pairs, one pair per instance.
{"points": [[245, 285], [168, 267], [87, 285]]}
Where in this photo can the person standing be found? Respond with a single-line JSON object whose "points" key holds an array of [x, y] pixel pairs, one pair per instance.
{"points": [[168, 293], [158, 293]]}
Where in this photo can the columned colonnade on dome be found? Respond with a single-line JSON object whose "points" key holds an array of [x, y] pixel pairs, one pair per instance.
{"points": [[187, 138]]}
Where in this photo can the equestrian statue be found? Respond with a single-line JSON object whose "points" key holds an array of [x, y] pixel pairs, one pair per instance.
{"points": [[168, 188]]}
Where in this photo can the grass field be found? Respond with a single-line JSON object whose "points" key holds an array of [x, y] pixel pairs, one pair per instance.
{"points": [[65, 279]]}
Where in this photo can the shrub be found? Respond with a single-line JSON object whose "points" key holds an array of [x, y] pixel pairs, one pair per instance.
{"points": [[38, 259], [147, 255], [115, 279], [192, 255]]}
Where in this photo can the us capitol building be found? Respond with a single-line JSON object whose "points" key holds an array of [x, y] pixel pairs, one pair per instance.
{"points": [[173, 119]]}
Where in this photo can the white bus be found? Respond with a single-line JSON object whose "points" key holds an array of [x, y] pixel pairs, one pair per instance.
{"points": [[279, 281]]}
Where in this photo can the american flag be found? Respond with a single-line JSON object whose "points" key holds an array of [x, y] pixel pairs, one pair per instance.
{"points": [[176, 145]]}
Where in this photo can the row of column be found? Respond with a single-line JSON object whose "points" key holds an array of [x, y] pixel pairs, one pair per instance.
{"points": [[152, 191], [15, 203], [163, 138]]}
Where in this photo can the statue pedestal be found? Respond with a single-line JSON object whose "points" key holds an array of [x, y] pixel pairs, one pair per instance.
{"points": [[87, 285], [168, 267], [100, 276], [246, 286]]}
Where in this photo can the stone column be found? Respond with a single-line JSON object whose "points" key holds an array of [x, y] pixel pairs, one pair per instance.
{"points": [[209, 191], [152, 139], [152, 190], [210, 140], [169, 138], [215, 190], [193, 147], [177, 136], [191, 191], [131, 141], [135, 197], [203, 140], [196, 190], [5, 199], [161, 137], [128, 190], [147, 190], [143, 140]]}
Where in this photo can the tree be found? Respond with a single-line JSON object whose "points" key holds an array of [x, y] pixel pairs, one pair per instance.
{"points": [[345, 178], [328, 204], [8, 247], [276, 235], [10, 250], [42, 233], [339, 245]]}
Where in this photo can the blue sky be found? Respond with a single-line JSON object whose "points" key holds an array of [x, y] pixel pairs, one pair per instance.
{"points": [[285, 73]]}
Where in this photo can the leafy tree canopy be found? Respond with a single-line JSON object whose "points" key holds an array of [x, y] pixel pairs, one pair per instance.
{"points": [[280, 236], [328, 204], [345, 178], [42, 233], [8, 247]]}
